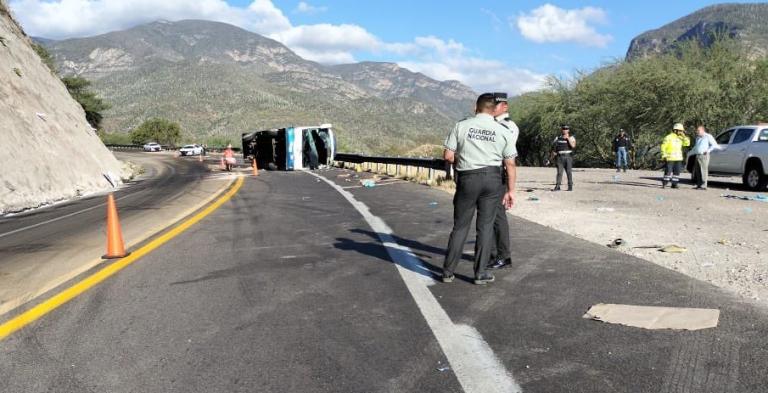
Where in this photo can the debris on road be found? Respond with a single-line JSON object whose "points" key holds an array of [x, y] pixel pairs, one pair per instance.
{"points": [[758, 197], [605, 209], [433, 204], [368, 183], [534, 198], [654, 318], [674, 249], [443, 369], [616, 243]]}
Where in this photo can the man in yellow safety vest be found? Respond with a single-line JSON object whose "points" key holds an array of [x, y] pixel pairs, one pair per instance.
{"points": [[672, 154]]}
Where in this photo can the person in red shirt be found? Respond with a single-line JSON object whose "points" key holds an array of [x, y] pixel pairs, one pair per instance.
{"points": [[229, 157]]}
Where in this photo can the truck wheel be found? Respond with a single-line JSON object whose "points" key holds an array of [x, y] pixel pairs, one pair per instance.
{"points": [[754, 179]]}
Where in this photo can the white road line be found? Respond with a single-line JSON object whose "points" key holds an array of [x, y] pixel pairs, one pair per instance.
{"points": [[64, 216], [476, 366]]}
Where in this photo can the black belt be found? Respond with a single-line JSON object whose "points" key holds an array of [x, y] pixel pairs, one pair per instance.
{"points": [[485, 169]]}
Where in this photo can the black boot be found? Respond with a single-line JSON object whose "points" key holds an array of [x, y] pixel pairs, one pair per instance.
{"points": [[557, 188], [570, 187]]}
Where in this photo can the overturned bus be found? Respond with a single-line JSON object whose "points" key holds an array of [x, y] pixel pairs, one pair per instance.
{"points": [[291, 148]]}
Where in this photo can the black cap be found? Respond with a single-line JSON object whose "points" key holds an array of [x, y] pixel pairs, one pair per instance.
{"points": [[500, 97], [565, 127], [486, 96]]}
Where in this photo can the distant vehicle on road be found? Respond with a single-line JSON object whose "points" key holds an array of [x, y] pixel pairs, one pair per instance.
{"points": [[152, 146], [191, 150], [744, 152], [291, 148]]}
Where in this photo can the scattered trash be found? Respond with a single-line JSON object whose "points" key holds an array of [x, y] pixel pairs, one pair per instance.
{"points": [[647, 317], [674, 249], [605, 209], [345, 175], [306, 198], [41, 116], [616, 243], [655, 246], [17, 71], [659, 198], [433, 204], [368, 183], [443, 369], [724, 242], [534, 198], [707, 264], [758, 197]]}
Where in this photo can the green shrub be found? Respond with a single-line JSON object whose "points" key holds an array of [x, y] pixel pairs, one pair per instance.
{"points": [[162, 131]]}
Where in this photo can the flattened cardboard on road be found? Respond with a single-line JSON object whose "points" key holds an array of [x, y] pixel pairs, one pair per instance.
{"points": [[648, 317]]}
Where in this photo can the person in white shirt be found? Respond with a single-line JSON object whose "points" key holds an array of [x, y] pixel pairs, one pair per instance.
{"points": [[705, 144]]}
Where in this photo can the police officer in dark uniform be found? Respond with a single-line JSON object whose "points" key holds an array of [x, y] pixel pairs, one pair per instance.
{"points": [[477, 146], [501, 257], [563, 147]]}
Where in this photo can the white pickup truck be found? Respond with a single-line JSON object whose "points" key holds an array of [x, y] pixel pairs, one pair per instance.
{"points": [[743, 152]]}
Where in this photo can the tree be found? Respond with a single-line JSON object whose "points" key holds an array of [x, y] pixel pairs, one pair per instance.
{"points": [[45, 56], [91, 103], [157, 130], [718, 86]]}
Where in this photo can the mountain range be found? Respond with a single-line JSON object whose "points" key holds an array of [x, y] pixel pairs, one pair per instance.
{"points": [[218, 80], [743, 22]]}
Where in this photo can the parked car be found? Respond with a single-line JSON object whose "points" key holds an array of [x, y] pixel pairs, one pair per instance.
{"points": [[191, 150], [152, 146], [744, 152]]}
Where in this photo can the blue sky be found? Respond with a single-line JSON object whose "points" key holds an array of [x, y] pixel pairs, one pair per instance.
{"points": [[510, 45]]}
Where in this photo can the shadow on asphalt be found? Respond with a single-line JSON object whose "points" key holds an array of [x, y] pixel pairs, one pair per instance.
{"points": [[420, 250]]}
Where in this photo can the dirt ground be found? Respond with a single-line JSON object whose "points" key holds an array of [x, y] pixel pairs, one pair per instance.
{"points": [[726, 239]]}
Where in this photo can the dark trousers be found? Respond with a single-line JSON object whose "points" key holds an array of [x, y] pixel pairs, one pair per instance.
{"points": [[564, 162], [477, 190], [672, 173], [501, 232]]}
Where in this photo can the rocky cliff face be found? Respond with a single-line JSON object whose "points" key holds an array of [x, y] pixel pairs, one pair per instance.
{"points": [[48, 151], [743, 22]]}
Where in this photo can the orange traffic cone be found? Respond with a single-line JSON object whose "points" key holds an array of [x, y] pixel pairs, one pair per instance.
{"points": [[115, 244], [255, 168]]}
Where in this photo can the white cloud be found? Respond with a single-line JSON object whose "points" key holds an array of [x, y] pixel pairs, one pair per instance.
{"points": [[328, 37], [306, 8], [549, 23], [77, 18], [325, 43], [450, 60]]}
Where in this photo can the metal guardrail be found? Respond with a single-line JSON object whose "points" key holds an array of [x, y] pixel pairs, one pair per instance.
{"points": [[432, 164], [214, 149]]}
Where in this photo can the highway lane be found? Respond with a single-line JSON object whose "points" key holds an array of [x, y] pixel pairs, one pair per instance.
{"points": [[41, 248], [288, 288], [159, 181], [255, 298]]}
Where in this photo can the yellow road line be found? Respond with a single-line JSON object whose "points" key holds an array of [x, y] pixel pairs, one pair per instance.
{"points": [[75, 290]]}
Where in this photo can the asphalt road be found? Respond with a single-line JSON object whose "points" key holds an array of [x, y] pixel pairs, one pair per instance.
{"points": [[162, 181], [292, 286], [42, 248]]}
